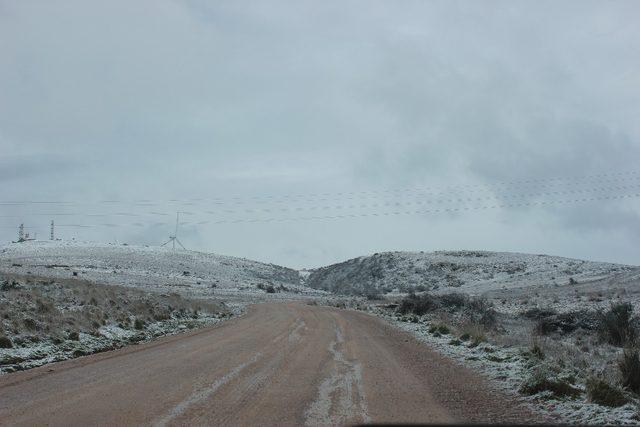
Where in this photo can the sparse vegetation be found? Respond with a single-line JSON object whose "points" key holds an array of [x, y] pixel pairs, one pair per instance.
{"points": [[629, 366], [474, 333], [59, 312], [536, 351], [603, 393], [439, 329], [417, 304], [373, 295], [5, 342], [473, 310], [268, 288], [7, 285], [618, 325], [565, 323], [537, 313], [542, 379], [480, 311]]}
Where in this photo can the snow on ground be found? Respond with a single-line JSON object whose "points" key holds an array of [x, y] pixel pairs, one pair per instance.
{"points": [[152, 268], [474, 272], [506, 367], [47, 320], [512, 283], [513, 280], [107, 338], [51, 288]]}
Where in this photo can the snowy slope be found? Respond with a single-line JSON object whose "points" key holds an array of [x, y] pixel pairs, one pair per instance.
{"points": [[152, 268], [473, 272], [509, 276]]}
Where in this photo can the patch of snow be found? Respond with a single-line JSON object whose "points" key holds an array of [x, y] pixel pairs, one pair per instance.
{"points": [[506, 368], [156, 269]]}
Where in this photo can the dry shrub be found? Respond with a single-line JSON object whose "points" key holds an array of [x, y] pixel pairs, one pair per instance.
{"points": [[439, 328], [538, 313], [565, 323], [475, 310], [629, 366], [603, 393], [453, 300], [541, 380], [138, 324], [617, 325], [5, 342], [480, 311], [417, 304], [536, 351], [473, 332]]}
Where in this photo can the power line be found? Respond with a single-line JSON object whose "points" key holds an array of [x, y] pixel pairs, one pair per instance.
{"points": [[498, 205], [421, 201], [288, 198], [462, 188], [432, 211]]}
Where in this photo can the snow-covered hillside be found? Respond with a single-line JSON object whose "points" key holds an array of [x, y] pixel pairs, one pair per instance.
{"points": [[152, 268], [502, 276], [473, 272]]}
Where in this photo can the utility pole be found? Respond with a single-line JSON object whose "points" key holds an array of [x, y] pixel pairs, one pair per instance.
{"points": [[173, 239], [52, 237]]}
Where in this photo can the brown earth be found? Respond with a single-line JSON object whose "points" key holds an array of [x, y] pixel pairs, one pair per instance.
{"points": [[280, 364]]}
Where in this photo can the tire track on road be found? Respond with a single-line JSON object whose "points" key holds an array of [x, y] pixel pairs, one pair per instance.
{"points": [[341, 395], [205, 393]]}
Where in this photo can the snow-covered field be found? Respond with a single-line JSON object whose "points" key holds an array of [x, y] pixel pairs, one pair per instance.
{"points": [[513, 280], [155, 269], [474, 272]]}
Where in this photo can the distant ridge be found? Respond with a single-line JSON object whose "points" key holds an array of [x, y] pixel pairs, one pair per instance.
{"points": [[470, 271]]}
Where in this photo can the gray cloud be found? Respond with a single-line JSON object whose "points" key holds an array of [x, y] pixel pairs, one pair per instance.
{"points": [[175, 100]]}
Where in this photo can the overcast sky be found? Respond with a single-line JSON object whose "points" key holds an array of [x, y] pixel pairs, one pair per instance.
{"points": [[225, 110]]}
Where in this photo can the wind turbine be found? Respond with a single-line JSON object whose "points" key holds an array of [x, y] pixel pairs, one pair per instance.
{"points": [[173, 239]]}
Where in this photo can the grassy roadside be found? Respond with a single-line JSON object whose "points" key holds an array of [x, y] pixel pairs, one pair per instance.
{"points": [[580, 366], [48, 320]]}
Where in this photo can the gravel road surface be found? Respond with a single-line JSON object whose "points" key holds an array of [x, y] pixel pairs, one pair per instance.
{"points": [[278, 365]]}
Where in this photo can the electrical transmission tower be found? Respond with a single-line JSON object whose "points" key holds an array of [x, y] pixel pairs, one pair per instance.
{"points": [[173, 239], [52, 236], [21, 233]]}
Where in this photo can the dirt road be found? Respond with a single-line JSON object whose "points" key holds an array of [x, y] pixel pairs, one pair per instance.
{"points": [[280, 364]]}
